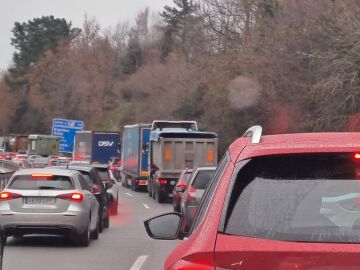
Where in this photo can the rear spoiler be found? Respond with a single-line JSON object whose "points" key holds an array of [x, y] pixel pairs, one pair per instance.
{"points": [[156, 135]]}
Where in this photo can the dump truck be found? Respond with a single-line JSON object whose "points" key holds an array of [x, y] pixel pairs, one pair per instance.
{"points": [[134, 156], [175, 146], [96, 147], [43, 145]]}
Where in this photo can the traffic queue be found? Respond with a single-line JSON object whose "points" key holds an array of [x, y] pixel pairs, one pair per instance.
{"points": [[75, 195]]}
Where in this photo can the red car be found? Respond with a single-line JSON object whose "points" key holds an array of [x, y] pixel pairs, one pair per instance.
{"points": [[180, 188], [280, 202]]}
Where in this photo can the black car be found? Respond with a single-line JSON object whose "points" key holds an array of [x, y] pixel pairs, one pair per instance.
{"points": [[94, 179], [104, 173]]}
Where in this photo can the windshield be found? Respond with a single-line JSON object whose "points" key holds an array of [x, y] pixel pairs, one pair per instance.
{"points": [[307, 198]]}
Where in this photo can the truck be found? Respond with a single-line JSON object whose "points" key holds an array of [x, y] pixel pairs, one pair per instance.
{"points": [[175, 146], [134, 156], [17, 143], [96, 146], [43, 145]]}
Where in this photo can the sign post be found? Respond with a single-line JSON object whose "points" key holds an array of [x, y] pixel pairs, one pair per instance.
{"points": [[66, 129]]}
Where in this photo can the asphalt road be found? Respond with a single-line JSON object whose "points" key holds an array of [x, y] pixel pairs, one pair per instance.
{"points": [[124, 246]]}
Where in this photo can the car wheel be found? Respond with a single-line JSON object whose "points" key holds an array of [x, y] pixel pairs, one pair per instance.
{"points": [[153, 191], [107, 221], [101, 223], [95, 233], [159, 197], [84, 238], [149, 189]]}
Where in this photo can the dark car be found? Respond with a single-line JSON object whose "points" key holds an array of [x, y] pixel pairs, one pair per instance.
{"points": [[104, 173], [93, 178], [194, 191], [180, 188], [287, 201]]}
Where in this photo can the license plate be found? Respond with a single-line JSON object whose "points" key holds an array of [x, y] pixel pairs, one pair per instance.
{"points": [[173, 183], [40, 200]]}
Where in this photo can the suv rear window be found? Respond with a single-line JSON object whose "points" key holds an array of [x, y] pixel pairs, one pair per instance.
{"points": [[202, 179], [28, 182], [304, 198]]}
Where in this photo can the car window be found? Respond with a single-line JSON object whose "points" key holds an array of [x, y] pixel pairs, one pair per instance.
{"points": [[209, 192], [87, 177], [30, 182], [83, 183], [202, 179], [307, 198]]}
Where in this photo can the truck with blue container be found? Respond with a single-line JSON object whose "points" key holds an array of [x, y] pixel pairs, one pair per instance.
{"points": [[96, 147], [175, 146], [134, 156]]}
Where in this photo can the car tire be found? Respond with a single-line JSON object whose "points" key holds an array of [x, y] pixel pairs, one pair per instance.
{"points": [[95, 233], [107, 221], [84, 238], [149, 189], [101, 223], [159, 197]]}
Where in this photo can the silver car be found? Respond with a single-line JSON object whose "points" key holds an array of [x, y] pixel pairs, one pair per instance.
{"points": [[49, 201], [194, 191]]}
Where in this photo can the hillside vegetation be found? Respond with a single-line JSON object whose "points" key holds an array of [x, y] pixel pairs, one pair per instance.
{"points": [[288, 65]]}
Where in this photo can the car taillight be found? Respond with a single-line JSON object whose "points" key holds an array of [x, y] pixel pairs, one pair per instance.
{"points": [[112, 168], [76, 197], [162, 181], [357, 155], [4, 196], [182, 186]]}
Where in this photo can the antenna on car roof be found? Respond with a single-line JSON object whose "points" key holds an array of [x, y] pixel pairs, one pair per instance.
{"points": [[254, 133]]}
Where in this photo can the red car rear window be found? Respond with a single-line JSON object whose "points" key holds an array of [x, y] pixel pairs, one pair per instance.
{"points": [[306, 198]]}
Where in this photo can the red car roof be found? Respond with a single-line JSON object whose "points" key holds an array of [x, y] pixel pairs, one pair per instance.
{"points": [[296, 143]]}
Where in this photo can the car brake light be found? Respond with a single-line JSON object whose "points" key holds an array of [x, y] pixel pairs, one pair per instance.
{"points": [[76, 197], [357, 155], [41, 175], [182, 186], [4, 196], [162, 181], [112, 168]]}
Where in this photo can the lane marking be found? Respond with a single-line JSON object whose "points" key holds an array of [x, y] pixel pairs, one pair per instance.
{"points": [[146, 206], [139, 262], [129, 194]]}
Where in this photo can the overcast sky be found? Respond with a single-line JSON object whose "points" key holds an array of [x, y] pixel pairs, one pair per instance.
{"points": [[107, 12]]}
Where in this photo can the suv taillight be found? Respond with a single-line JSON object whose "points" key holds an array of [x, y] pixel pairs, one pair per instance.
{"points": [[75, 197], [4, 196]]}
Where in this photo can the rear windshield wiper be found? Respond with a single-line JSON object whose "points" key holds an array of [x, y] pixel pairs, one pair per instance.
{"points": [[47, 187]]}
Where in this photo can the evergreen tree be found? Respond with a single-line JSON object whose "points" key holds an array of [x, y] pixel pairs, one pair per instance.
{"points": [[34, 37]]}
